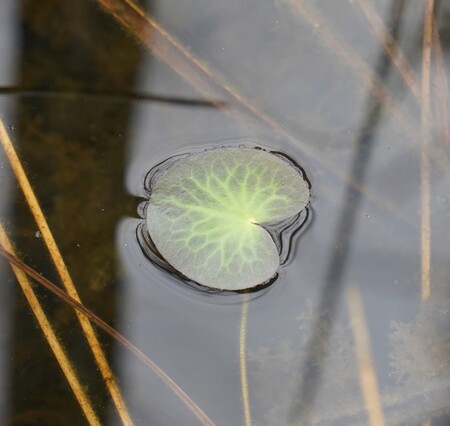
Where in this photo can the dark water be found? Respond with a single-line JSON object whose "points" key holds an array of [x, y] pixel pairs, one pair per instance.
{"points": [[91, 109]]}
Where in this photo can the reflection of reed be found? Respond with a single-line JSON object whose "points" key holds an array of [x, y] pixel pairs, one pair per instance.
{"points": [[86, 313], [390, 45], [371, 80], [334, 279], [440, 84], [50, 335]]}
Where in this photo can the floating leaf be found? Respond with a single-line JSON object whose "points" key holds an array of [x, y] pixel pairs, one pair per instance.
{"points": [[205, 215]]}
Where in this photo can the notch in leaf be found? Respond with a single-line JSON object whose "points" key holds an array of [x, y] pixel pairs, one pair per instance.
{"points": [[205, 214]]}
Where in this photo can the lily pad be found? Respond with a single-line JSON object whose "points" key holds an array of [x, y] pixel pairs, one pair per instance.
{"points": [[206, 212]]}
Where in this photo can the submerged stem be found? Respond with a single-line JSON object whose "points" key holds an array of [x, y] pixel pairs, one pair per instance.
{"points": [[243, 362]]}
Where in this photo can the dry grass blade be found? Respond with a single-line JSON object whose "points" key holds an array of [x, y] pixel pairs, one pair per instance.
{"points": [[167, 48], [424, 159], [82, 310], [367, 375], [243, 363], [99, 355], [50, 335], [390, 47]]}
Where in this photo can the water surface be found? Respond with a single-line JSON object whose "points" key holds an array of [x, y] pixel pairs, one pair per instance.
{"points": [[91, 109]]}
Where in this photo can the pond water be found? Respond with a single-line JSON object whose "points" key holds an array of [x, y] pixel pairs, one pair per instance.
{"points": [[355, 330]]}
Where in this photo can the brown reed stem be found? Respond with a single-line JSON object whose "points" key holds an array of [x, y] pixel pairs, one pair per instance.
{"points": [[50, 336]]}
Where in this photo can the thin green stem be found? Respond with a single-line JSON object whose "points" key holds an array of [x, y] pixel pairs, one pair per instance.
{"points": [[243, 362]]}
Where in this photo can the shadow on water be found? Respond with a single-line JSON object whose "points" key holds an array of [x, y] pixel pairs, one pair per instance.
{"points": [[334, 280], [78, 145], [110, 96]]}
